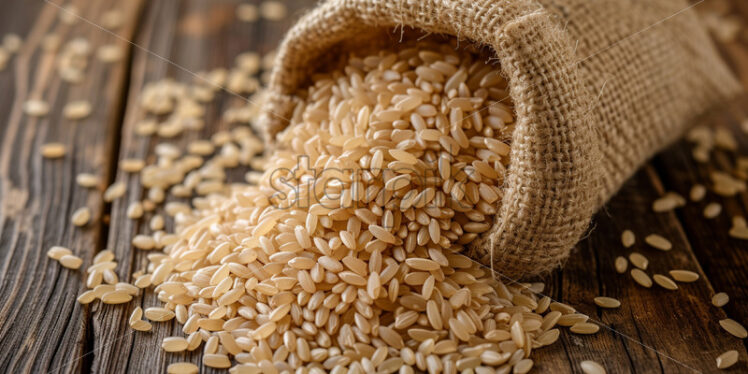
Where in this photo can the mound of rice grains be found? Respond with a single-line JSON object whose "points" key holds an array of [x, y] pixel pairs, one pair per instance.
{"points": [[346, 253]]}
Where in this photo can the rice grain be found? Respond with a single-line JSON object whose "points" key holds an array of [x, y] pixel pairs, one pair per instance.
{"points": [[720, 299]]}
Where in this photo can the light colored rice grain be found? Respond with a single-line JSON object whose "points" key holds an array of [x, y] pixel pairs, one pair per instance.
{"points": [[621, 264], [628, 238], [658, 242], [607, 302], [143, 242], [53, 150], [135, 210], [36, 108], [684, 276], [727, 359], [76, 110], [71, 261], [712, 210], [86, 297], [720, 299], [141, 325], [665, 282], [116, 297], [638, 260], [247, 12], [273, 10], [668, 202], [87, 180], [57, 252], [591, 367], [114, 191], [523, 366], [697, 193], [182, 368], [734, 328], [584, 328], [157, 314], [81, 216], [174, 344], [218, 361], [641, 278], [131, 165]]}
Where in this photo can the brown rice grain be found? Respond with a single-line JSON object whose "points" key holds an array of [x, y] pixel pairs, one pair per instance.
{"points": [[712, 210], [697, 193], [87, 180], [591, 367], [182, 368], [607, 302], [114, 191], [665, 282], [81, 216], [57, 252], [71, 261], [684, 276], [734, 328], [641, 278], [727, 359], [720, 299], [76, 110], [658, 242], [174, 344], [53, 150], [621, 264], [36, 108], [638, 260], [584, 328], [273, 10]]}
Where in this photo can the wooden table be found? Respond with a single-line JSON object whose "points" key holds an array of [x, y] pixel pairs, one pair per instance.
{"points": [[44, 330]]}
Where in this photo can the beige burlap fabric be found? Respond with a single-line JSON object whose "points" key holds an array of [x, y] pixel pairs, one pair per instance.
{"points": [[599, 86]]}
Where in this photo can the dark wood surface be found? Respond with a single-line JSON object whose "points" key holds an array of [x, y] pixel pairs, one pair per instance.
{"points": [[44, 330]]}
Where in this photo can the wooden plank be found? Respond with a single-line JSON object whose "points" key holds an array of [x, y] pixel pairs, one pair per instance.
{"points": [[178, 38], [41, 325], [656, 330], [723, 258]]}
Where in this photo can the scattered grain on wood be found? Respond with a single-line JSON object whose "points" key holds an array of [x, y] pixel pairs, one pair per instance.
{"points": [[76, 110], [87, 180], [81, 216], [71, 261], [628, 238], [591, 367], [621, 264], [641, 278], [607, 302], [36, 108], [584, 328], [684, 276], [658, 242], [665, 282], [712, 210], [734, 328], [727, 359], [720, 299], [53, 150], [273, 10], [637, 259]]}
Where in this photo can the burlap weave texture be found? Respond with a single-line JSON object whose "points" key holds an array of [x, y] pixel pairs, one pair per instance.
{"points": [[599, 86]]}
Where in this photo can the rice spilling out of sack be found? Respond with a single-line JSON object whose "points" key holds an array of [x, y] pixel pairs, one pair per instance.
{"points": [[346, 253]]}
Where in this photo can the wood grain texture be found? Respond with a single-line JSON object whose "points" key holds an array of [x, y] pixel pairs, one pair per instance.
{"points": [[178, 39], [45, 330], [42, 325]]}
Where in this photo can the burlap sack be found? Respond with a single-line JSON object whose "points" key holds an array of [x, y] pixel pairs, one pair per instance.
{"points": [[599, 86]]}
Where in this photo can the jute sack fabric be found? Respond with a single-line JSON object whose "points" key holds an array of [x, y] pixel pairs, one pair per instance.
{"points": [[598, 86]]}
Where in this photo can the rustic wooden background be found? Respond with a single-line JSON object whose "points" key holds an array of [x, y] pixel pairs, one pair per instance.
{"points": [[44, 330]]}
